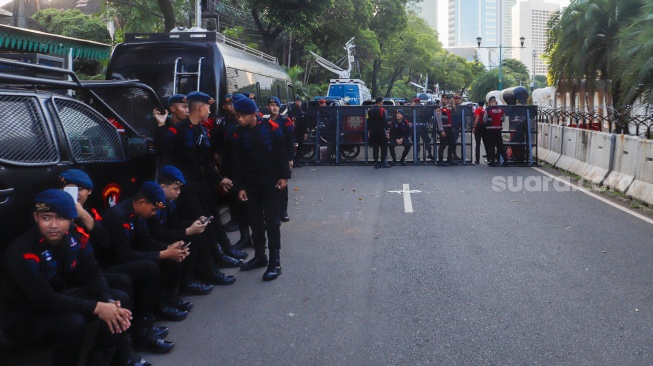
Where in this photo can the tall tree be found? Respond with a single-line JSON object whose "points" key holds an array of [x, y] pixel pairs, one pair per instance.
{"points": [[634, 57]]}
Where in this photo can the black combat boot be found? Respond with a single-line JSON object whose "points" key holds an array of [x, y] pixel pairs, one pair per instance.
{"points": [[274, 268], [283, 212], [245, 239], [223, 260], [260, 260], [228, 249], [213, 275], [231, 226]]}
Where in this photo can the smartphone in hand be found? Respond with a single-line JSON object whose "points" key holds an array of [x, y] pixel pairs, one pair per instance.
{"points": [[72, 191]]}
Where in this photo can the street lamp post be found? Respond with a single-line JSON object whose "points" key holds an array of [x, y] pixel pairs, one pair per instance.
{"points": [[521, 40]]}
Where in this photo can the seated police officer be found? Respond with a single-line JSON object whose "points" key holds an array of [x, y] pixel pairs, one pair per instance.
{"points": [[168, 227], [131, 241], [399, 136], [53, 287], [143, 274]]}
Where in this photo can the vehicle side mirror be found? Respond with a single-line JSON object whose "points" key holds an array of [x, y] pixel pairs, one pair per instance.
{"points": [[136, 146]]}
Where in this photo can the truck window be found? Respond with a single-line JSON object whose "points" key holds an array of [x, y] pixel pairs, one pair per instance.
{"points": [[25, 139], [91, 137]]}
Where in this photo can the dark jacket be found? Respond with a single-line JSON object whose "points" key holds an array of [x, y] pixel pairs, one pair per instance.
{"points": [[129, 236], [166, 226], [288, 129], [188, 147], [259, 155], [400, 130], [35, 274], [377, 121]]}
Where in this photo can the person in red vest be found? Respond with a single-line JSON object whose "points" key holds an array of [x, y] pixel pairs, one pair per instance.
{"points": [[494, 123], [479, 130]]}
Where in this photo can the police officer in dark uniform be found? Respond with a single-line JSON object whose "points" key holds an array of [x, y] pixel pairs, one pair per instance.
{"points": [[144, 274], [399, 136], [377, 126], [178, 109], [288, 128], [261, 172], [423, 131], [298, 116], [131, 241], [237, 208], [53, 287], [494, 124], [446, 136], [187, 147], [167, 227]]}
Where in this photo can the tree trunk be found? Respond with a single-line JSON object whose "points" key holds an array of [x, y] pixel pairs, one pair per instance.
{"points": [[268, 34], [168, 15], [376, 67], [393, 78]]}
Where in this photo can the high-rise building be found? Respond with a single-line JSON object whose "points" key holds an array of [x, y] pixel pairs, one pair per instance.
{"points": [[429, 11], [468, 19], [529, 19]]}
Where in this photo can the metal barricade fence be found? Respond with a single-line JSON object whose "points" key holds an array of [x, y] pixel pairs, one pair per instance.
{"points": [[337, 135], [520, 134]]}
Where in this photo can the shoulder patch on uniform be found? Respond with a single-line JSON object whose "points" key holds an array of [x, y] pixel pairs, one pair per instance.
{"points": [[274, 125], [31, 256], [173, 130], [382, 110]]}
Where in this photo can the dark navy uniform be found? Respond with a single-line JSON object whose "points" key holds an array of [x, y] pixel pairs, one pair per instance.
{"points": [[377, 125], [51, 291], [494, 124], [298, 115], [260, 161], [400, 130], [448, 140], [288, 128]]}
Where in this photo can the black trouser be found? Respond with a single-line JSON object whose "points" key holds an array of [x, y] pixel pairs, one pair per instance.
{"points": [[170, 278], [495, 139], [298, 149], [66, 329], [379, 141], [406, 144], [144, 278], [447, 141], [480, 135], [284, 201], [238, 211], [195, 203], [423, 133], [263, 212]]}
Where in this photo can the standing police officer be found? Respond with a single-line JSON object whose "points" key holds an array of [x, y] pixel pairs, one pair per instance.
{"points": [[288, 128], [446, 135], [187, 147], [261, 172], [377, 126], [494, 125], [298, 116], [479, 130]]}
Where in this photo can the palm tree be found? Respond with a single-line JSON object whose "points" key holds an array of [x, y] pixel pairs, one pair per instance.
{"points": [[634, 58], [583, 39]]}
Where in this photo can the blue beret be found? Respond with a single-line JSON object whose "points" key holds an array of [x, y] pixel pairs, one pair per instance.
{"points": [[57, 201], [197, 96], [235, 97], [274, 100], [298, 98], [401, 111], [153, 194], [245, 106], [177, 98], [172, 174], [76, 177]]}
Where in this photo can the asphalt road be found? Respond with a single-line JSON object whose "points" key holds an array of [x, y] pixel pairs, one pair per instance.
{"points": [[472, 277]]}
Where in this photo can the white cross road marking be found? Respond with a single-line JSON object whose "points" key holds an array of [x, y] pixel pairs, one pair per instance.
{"points": [[408, 204]]}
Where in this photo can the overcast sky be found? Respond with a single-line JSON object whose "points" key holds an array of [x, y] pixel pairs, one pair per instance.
{"points": [[442, 17]]}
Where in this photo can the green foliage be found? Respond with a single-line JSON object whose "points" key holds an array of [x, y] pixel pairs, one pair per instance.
{"points": [[73, 23], [634, 59], [583, 41]]}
